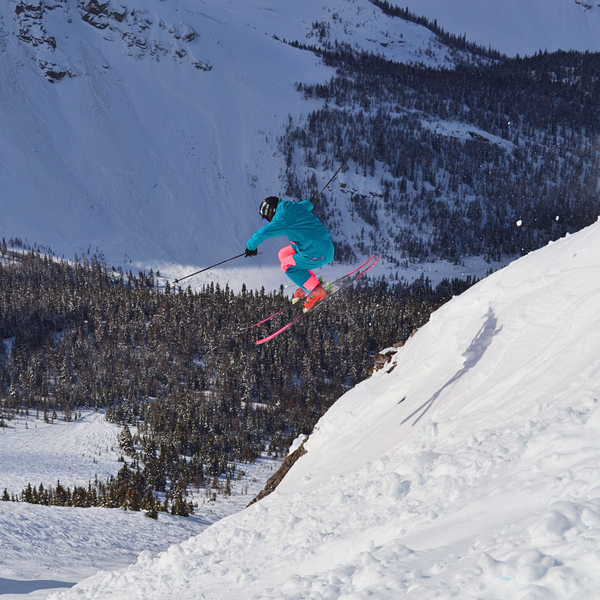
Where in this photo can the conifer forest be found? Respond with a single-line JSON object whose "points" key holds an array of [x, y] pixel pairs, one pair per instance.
{"points": [[495, 157], [182, 367]]}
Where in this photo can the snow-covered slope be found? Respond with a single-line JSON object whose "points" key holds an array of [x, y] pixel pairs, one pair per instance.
{"points": [[73, 452], [468, 467], [517, 27], [141, 154], [145, 131], [44, 547]]}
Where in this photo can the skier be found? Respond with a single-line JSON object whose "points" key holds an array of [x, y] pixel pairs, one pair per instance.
{"points": [[311, 246]]}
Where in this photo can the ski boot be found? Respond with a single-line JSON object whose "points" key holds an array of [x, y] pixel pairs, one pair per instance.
{"points": [[315, 296], [299, 294]]}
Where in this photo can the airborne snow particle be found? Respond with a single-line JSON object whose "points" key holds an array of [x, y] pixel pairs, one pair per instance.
{"points": [[519, 223]]}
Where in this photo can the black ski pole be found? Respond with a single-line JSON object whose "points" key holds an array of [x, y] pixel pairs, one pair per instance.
{"points": [[313, 200], [176, 281]]}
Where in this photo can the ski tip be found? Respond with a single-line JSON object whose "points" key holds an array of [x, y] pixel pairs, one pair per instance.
{"points": [[263, 340]]}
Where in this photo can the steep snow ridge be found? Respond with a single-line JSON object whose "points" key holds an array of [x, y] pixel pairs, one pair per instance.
{"points": [[468, 467]]}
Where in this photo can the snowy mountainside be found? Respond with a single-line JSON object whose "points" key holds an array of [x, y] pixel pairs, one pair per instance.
{"points": [[467, 468], [145, 132], [54, 546], [515, 27]]}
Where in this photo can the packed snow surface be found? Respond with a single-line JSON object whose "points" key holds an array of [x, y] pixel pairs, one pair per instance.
{"points": [[468, 467]]}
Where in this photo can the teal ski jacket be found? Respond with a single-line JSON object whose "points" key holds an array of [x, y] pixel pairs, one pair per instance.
{"points": [[297, 221]]}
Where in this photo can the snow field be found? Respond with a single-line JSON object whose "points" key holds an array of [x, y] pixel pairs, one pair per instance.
{"points": [[469, 467], [32, 450], [43, 547]]}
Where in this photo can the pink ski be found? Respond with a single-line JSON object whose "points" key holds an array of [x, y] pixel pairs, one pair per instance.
{"points": [[344, 286], [283, 310]]}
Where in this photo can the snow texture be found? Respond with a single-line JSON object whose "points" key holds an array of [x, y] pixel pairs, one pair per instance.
{"points": [[469, 467], [74, 452]]}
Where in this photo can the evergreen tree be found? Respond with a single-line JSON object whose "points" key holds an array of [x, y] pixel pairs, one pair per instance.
{"points": [[126, 441]]}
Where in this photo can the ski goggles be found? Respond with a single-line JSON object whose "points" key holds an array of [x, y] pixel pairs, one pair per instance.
{"points": [[267, 208], [265, 211]]}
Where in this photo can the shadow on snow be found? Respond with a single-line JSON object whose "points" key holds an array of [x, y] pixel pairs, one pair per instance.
{"points": [[472, 355], [17, 586]]}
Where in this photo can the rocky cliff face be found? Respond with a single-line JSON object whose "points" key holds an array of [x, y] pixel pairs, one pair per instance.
{"points": [[45, 26]]}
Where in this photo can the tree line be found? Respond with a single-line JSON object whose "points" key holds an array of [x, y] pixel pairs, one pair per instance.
{"points": [[129, 490], [182, 366], [493, 159]]}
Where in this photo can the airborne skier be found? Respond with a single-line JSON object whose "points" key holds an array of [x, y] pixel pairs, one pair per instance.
{"points": [[310, 244]]}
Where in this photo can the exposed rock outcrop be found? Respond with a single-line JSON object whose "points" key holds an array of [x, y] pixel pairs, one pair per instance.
{"points": [[275, 480]]}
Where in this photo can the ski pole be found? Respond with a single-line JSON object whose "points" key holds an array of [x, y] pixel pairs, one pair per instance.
{"points": [[208, 268], [313, 200]]}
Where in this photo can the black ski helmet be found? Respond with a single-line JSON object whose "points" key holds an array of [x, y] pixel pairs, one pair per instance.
{"points": [[268, 207]]}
